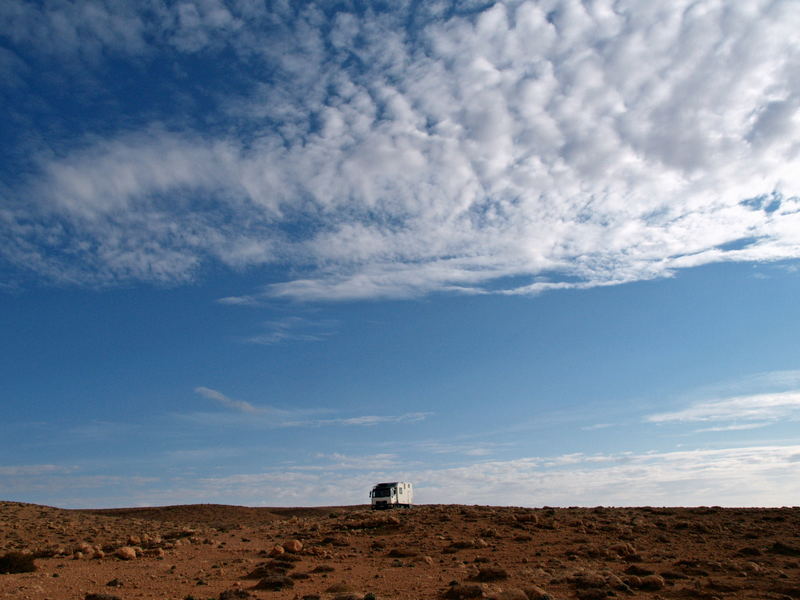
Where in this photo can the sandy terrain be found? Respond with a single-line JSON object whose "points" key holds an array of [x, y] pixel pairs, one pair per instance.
{"points": [[346, 553]]}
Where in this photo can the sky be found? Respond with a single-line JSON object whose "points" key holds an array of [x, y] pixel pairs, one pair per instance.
{"points": [[535, 252]]}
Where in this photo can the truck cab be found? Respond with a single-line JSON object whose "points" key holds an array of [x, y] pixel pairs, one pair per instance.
{"points": [[395, 494]]}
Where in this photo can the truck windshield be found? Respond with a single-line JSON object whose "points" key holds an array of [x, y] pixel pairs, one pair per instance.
{"points": [[381, 492]]}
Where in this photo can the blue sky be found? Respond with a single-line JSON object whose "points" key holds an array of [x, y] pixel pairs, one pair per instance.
{"points": [[528, 253]]}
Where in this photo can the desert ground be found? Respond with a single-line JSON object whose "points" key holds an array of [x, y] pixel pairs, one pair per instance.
{"points": [[218, 552]]}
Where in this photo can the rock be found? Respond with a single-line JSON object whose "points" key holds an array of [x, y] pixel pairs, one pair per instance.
{"points": [[274, 583], [84, 548], [784, 549], [234, 594], [340, 588], [588, 579], [293, 546], [322, 569], [462, 592], [510, 594], [277, 551], [402, 553], [592, 594], [752, 567], [652, 583], [491, 574], [622, 549], [125, 553], [17, 562], [534, 592], [638, 571]]}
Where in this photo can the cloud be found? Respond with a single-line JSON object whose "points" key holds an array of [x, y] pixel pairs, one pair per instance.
{"points": [[237, 405], [28, 470], [597, 426], [736, 476], [762, 408], [362, 421], [345, 462], [293, 329], [390, 156], [739, 427], [245, 414]]}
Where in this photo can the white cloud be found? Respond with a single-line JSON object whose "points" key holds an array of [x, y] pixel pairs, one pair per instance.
{"points": [[245, 414], [363, 421], [740, 476], [219, 397], [735, 427], [767, 475], [292, 329], [28, 470], [578, 145], [346, 462], [757, 407]]}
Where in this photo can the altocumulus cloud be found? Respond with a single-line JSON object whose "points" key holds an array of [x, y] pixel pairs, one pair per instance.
{"points": [[389, 154]]}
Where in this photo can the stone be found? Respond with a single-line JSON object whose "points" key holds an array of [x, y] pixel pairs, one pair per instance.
{"points": [[491, 574], [293, 546], [652, 583], [462, 592], [534, 592], [125, 553], [277, 551], [274, 583], [340, 588], [510, 594]]}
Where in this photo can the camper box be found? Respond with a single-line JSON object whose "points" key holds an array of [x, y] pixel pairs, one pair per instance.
{"points": [[396, 494]]}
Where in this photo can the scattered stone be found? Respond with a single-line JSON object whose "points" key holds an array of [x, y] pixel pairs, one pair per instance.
{"points": [[322, 569], [652, 583], [402, 553], [534, 592], [588, 579], [510, 594], [462, 592], [639, 571], [491, 574], [125, 553], [277, 551], [784, 549], [235, 594], [17, 562], [274, 583], [592, 594], [300, 576], [293, 546], [340, 588]]}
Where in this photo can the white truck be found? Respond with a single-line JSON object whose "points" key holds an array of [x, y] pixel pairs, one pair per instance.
{"points": [[396, 494]]}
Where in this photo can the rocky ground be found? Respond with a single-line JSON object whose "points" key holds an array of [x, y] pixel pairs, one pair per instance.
{"points": [[216, 552]]}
